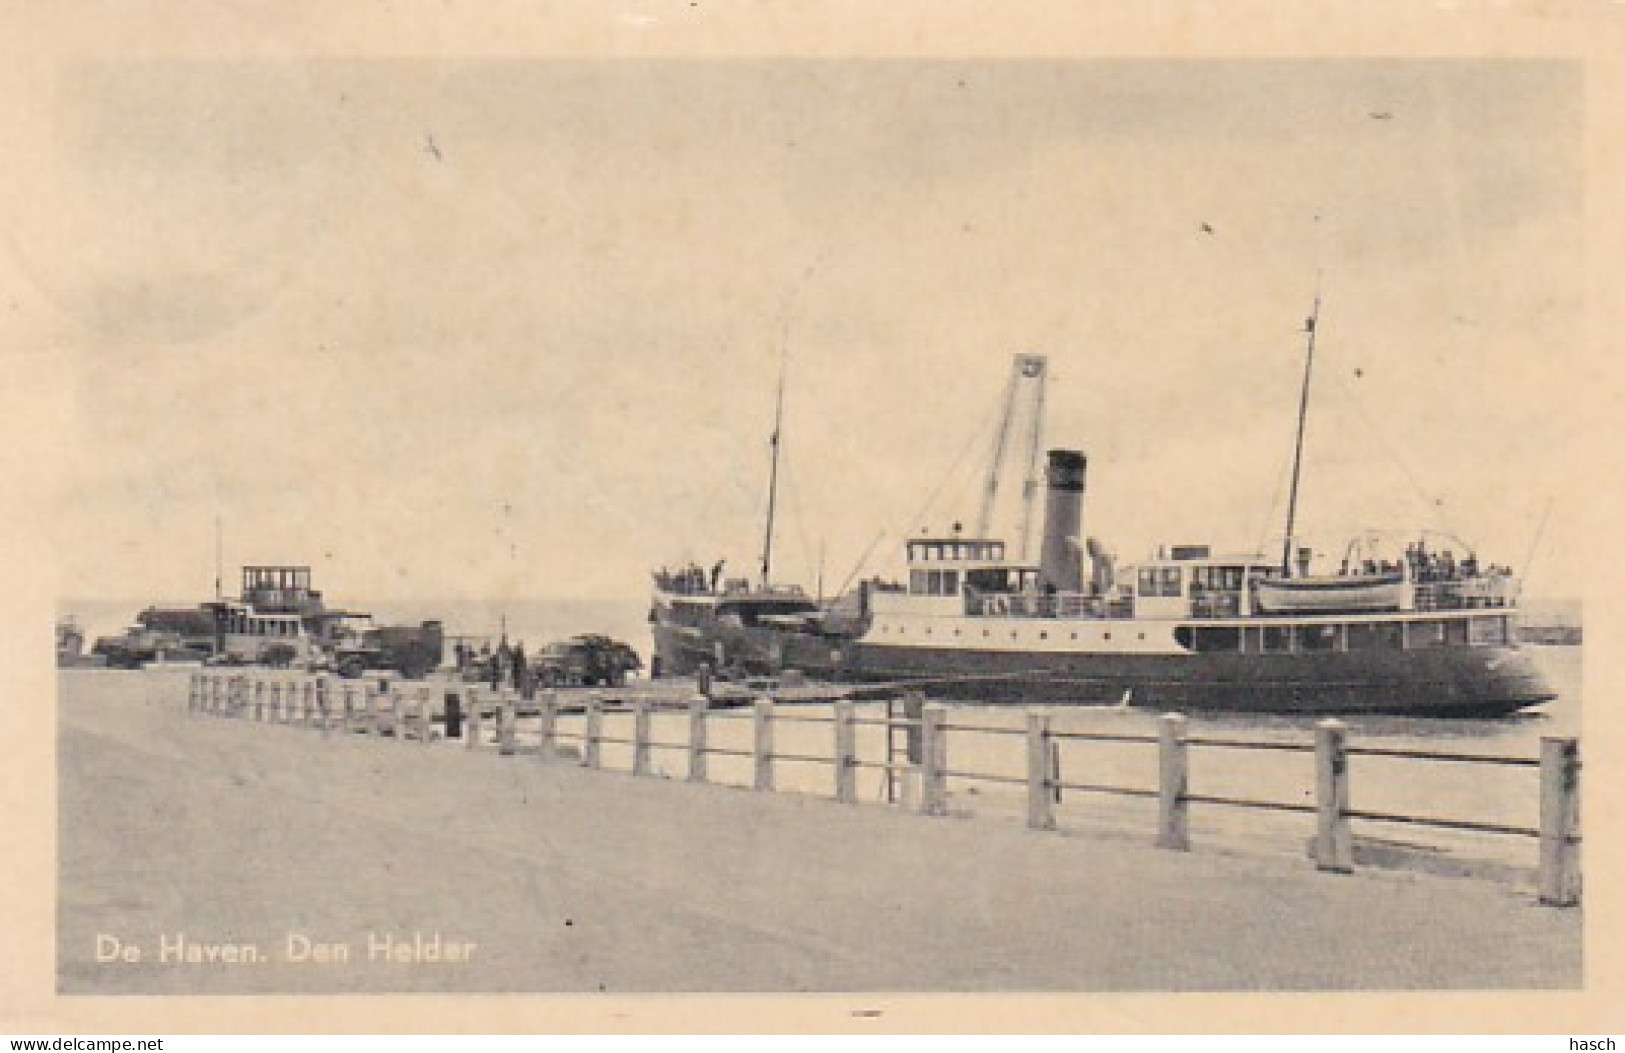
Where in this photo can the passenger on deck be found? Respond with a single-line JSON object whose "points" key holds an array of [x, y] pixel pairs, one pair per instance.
{"points": [[500, 664]]}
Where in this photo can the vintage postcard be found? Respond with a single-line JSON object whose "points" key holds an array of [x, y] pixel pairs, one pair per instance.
{"points": [[698, 517]]}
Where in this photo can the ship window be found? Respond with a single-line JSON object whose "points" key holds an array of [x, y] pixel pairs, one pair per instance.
{"points": [[1455, 632], [1424, 634], [1318, 637], [1373, 636], [918, 582], [950, 582], [1208, 638], [1488, 631], [1277, 638], [1161, 581]]}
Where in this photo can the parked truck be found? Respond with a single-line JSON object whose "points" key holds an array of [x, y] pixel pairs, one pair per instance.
{"points": [[410, 650]]}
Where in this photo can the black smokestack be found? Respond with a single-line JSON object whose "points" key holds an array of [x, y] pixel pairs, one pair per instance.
{"points": [[1060, 561]]}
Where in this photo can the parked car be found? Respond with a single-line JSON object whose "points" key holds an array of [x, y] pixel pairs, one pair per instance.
{"points": [[585, 661]]}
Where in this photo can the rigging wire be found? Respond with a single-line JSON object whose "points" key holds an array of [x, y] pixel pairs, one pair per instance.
{"points": [[1368, 428], [858, 567], [976, 436]]}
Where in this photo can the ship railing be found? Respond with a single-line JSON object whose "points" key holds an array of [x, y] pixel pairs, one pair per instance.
{"points": [[909, 743], [1074, 605], [1477, 593]]}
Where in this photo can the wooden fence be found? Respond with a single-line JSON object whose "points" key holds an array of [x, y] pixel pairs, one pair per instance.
{"points": [[492, 719]]}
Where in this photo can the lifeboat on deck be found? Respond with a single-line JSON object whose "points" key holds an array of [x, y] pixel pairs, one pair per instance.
{"points": [[1335, 594]]}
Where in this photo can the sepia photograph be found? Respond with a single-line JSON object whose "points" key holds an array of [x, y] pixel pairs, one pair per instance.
{"points": [[848, 526]]}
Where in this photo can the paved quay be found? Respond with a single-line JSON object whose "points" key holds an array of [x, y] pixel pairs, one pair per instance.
{"points": [[208, 855]]}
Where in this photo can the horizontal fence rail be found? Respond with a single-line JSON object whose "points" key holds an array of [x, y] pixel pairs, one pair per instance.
{"points": [[915, 762]]}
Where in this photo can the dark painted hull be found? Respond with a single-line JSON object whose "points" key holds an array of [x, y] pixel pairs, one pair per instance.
{"points": [[1455, 681], [1440, 681]]}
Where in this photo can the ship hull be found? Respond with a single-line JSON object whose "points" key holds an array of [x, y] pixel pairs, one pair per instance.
{"points": [[1443, 681]]}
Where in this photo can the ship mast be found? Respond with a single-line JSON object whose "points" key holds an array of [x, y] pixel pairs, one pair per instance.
{"points": [[773, 477], [1309, 326]]}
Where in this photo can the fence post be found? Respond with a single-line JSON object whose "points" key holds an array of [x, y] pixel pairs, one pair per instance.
{"points": [[640, 736], [372, 709], [324, 705], [507, 733], [1334, 846], [1559, 821], [846, 753], [593, 731], [1040, 805], [192, 691], [549, 719], [278, 701], [934, 759], [425, 717], [473, 729], [259, 699], [697, 768], [762, 743], [1173, 782], [397, 708]]}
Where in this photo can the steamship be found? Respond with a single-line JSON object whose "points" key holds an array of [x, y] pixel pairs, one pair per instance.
{"points": [[1192, 629], [1188, 629]]}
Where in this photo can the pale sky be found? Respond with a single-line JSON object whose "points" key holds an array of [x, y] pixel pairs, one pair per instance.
{"points": [[513, 328]]}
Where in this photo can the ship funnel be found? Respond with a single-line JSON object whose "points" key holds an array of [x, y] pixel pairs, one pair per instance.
{"points": [[1060, 561]]}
